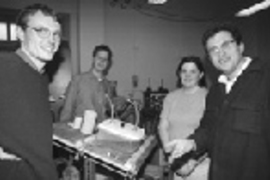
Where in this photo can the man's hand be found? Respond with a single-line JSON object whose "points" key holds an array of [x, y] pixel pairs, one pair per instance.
{"points": [[179, 147], [168, 148], [187, 168]]}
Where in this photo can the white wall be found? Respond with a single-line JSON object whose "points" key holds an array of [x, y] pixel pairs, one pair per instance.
{"points": [[91, 24], [148, 47]]}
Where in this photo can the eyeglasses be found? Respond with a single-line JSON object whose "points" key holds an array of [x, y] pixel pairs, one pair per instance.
{"points": [[226, 45], [102, 59], [45, 33]]}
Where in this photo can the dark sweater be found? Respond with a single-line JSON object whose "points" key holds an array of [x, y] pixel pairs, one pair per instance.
{"points": [[25, 118]]}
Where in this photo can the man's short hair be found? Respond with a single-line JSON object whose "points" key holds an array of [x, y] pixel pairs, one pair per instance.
{"points": [[236, 35], [106, 49], [23, 16], [103, 48]]}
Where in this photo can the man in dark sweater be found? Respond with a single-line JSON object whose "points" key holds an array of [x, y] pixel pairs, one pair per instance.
{"points": [[25, 118]]}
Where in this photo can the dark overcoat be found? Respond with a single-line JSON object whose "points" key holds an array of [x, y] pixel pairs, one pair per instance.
{"points": [[236, 126]]}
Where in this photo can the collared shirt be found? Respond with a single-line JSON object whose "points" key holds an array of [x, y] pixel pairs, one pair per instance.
{"points": [[8, 156], [230, 82], [86, 92], [28, 60]]}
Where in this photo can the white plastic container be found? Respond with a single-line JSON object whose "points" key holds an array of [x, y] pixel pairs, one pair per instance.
{"points": [[77, 122], [89, 122]]}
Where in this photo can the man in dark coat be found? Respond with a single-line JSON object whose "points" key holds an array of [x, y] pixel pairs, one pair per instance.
{"points": [[25, 117], [235, 129]]}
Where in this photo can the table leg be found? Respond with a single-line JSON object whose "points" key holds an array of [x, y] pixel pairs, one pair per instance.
{"points": [[89, 170]]}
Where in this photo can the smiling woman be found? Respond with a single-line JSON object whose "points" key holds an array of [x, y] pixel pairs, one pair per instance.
{"points": [[181, 114]]}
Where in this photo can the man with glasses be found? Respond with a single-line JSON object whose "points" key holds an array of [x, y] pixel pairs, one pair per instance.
{"points": [[235, 128], [90, 90], [25, 118]]}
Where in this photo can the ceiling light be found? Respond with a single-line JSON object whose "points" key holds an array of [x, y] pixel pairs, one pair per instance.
{"points": [[253, 9], [157, 1]]}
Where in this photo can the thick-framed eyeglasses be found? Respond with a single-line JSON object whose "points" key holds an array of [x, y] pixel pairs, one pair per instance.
{"points": [[226, 45], [45, 33]]}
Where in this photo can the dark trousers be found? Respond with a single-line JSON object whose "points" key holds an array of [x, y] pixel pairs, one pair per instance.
{"points": [[16, 170]]}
